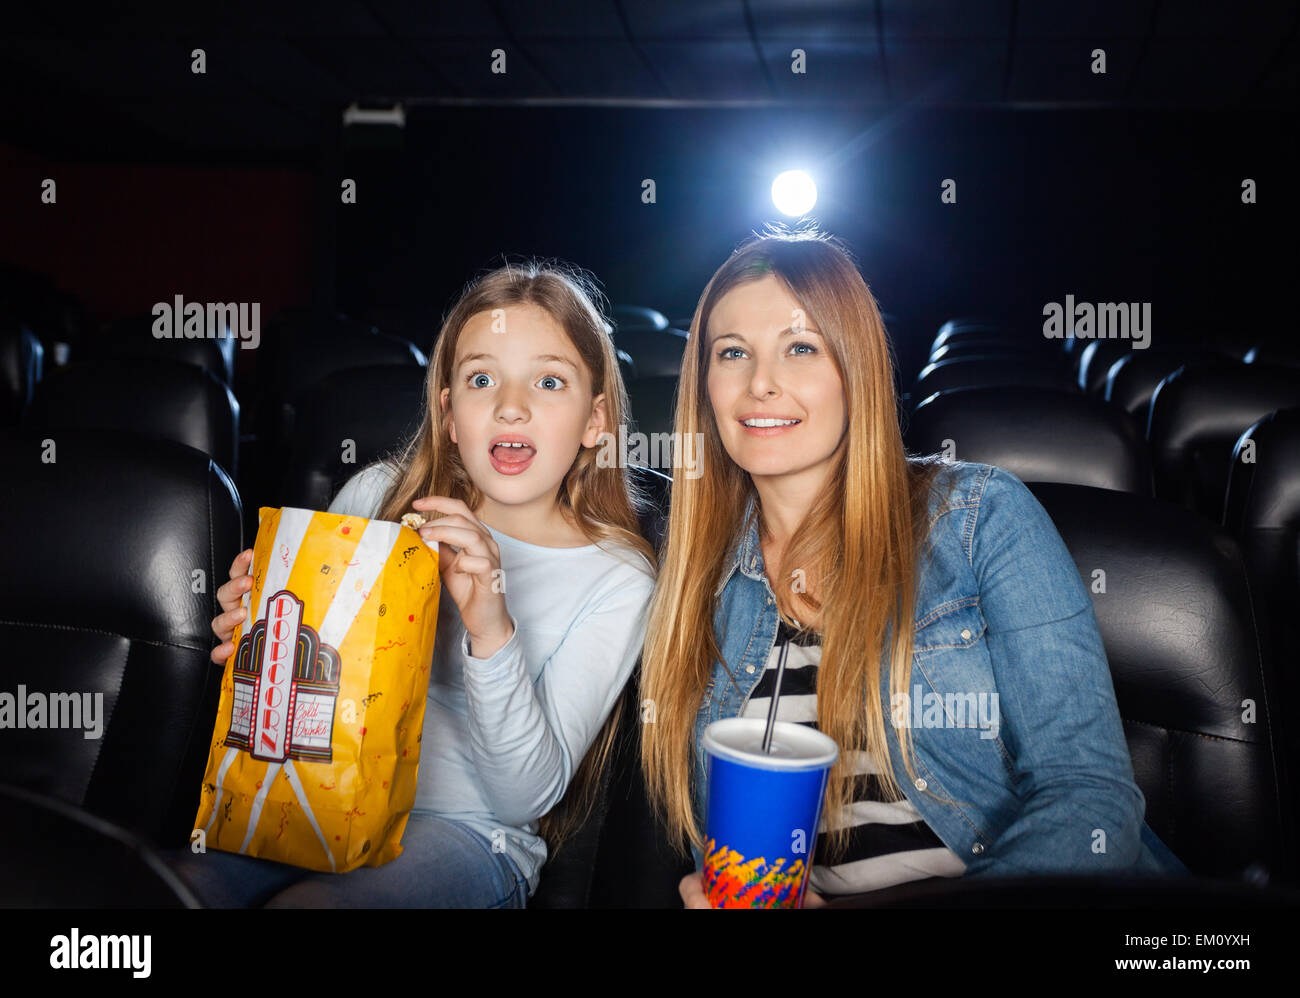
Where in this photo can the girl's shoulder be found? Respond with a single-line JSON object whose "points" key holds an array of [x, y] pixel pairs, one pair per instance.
{"points": [[363, 493]]}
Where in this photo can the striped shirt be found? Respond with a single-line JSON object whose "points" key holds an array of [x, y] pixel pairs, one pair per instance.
{"points": [[889, 842]]}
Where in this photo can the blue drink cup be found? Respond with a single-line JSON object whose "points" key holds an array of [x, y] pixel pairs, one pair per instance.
{"points": [[763, 811]]}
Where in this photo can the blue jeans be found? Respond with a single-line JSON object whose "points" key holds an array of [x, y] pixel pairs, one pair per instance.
{"points": [[443, 865]]}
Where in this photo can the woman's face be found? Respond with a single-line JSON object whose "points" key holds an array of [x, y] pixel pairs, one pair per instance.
{"points": [[767, 362], [517, 379]]}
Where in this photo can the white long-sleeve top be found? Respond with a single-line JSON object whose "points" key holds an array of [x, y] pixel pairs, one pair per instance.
{"points": [[504, 735]]}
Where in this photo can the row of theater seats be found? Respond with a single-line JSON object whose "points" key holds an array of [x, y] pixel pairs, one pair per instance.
{"points": [[1177, 615], [115, 609], [323, 396]]}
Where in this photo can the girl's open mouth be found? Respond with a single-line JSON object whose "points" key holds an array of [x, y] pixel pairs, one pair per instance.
{"points": [[511, 458]]}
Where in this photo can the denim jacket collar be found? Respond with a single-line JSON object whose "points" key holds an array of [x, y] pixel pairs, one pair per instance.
{"points": [[746, 550]]}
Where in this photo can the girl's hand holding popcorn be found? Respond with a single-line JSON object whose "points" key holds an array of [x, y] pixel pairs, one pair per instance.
{"points": [[470, 565]]}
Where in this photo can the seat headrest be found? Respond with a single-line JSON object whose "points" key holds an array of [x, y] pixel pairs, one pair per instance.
{"points": [[134, 337], [108, 531], [1037, 434], [146, 396], [982, 370], [1196, 415], [1264, 493]]}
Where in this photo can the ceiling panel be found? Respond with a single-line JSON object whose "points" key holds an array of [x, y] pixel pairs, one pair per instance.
{"points": [[945, 73], [813, 20], [835, 71], [1085, 21], [1045, 71], [372, 67], [707, 20], [467, 67], [572, 19], [983, 19], [423, 19], [1241, 18], [1203, 73], [709, 70], [610, 67]]}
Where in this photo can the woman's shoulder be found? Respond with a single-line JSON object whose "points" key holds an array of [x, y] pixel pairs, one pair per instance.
{"points": [[972, 504]]}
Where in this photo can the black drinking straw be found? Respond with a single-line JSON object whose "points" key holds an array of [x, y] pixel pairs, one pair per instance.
{"points": [[776, 692]]}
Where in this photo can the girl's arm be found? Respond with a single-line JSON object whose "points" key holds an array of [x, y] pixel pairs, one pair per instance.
{"points": [[528, 738], [1058, 714]]}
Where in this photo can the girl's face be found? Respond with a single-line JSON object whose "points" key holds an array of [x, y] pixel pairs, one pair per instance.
{"points": [[517, 379], [768, 362]]}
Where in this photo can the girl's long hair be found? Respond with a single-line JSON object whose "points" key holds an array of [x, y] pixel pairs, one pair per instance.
{"points": [[601, 500], [857, 546]]}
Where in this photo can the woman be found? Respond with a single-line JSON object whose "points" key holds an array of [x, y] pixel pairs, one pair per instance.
{"points": [[810, 526]]}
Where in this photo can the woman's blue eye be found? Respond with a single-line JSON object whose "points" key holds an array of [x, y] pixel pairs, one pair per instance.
{"points": [[554, 380], [727, 353], [474, 379]]}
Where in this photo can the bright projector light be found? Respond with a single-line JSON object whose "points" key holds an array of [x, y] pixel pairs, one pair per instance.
{"points": [[794, 193]]}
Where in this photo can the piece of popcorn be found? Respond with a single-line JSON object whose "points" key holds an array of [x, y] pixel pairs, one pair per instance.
{"points": [[414, 520]]}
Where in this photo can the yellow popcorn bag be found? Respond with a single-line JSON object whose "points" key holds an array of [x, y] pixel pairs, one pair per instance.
{"points": [[317, 741]]}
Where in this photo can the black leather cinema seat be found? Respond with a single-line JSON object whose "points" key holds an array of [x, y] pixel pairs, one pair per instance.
{"points": [[297, 352], [54, 855], [1095, 360], [655, 353], [1030, 348], [1197, 697], [651, 401], [134, 337], [1038, 434], [1196, 416], [1263, 512], [111, 565], [144, 396], [1132, 380], [22, 364], [627, 317], [982, 370], [374, 409], [978, 327]]}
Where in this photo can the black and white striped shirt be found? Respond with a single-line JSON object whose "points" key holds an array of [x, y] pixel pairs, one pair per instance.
{"points": [[889, 842]]}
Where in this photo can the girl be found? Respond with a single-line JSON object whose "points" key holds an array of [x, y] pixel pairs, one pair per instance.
{"points": [[891, 578], [548, 581]]}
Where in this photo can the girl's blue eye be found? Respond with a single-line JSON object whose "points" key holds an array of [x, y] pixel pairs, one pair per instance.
{"points": [[811, 348], [553, 379], [722, 354], [474, 379]]}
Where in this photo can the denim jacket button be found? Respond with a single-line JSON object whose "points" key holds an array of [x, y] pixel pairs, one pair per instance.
{"points": [[749, 668], [977, 848], [921, 784], [965, 634]]}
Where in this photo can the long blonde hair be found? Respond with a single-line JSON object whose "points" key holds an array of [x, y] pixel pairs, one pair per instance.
{"points": [[602, 501], [858, 544]]}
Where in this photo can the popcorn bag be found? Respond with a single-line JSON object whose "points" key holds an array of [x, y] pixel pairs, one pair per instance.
{"points": [[317, 742]]}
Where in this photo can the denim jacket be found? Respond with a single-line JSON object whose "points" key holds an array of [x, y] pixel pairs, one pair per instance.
{"points": [[1000, 609]]}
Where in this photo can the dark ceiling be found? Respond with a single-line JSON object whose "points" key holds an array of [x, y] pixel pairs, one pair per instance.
{"points": [[101, 77]]}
